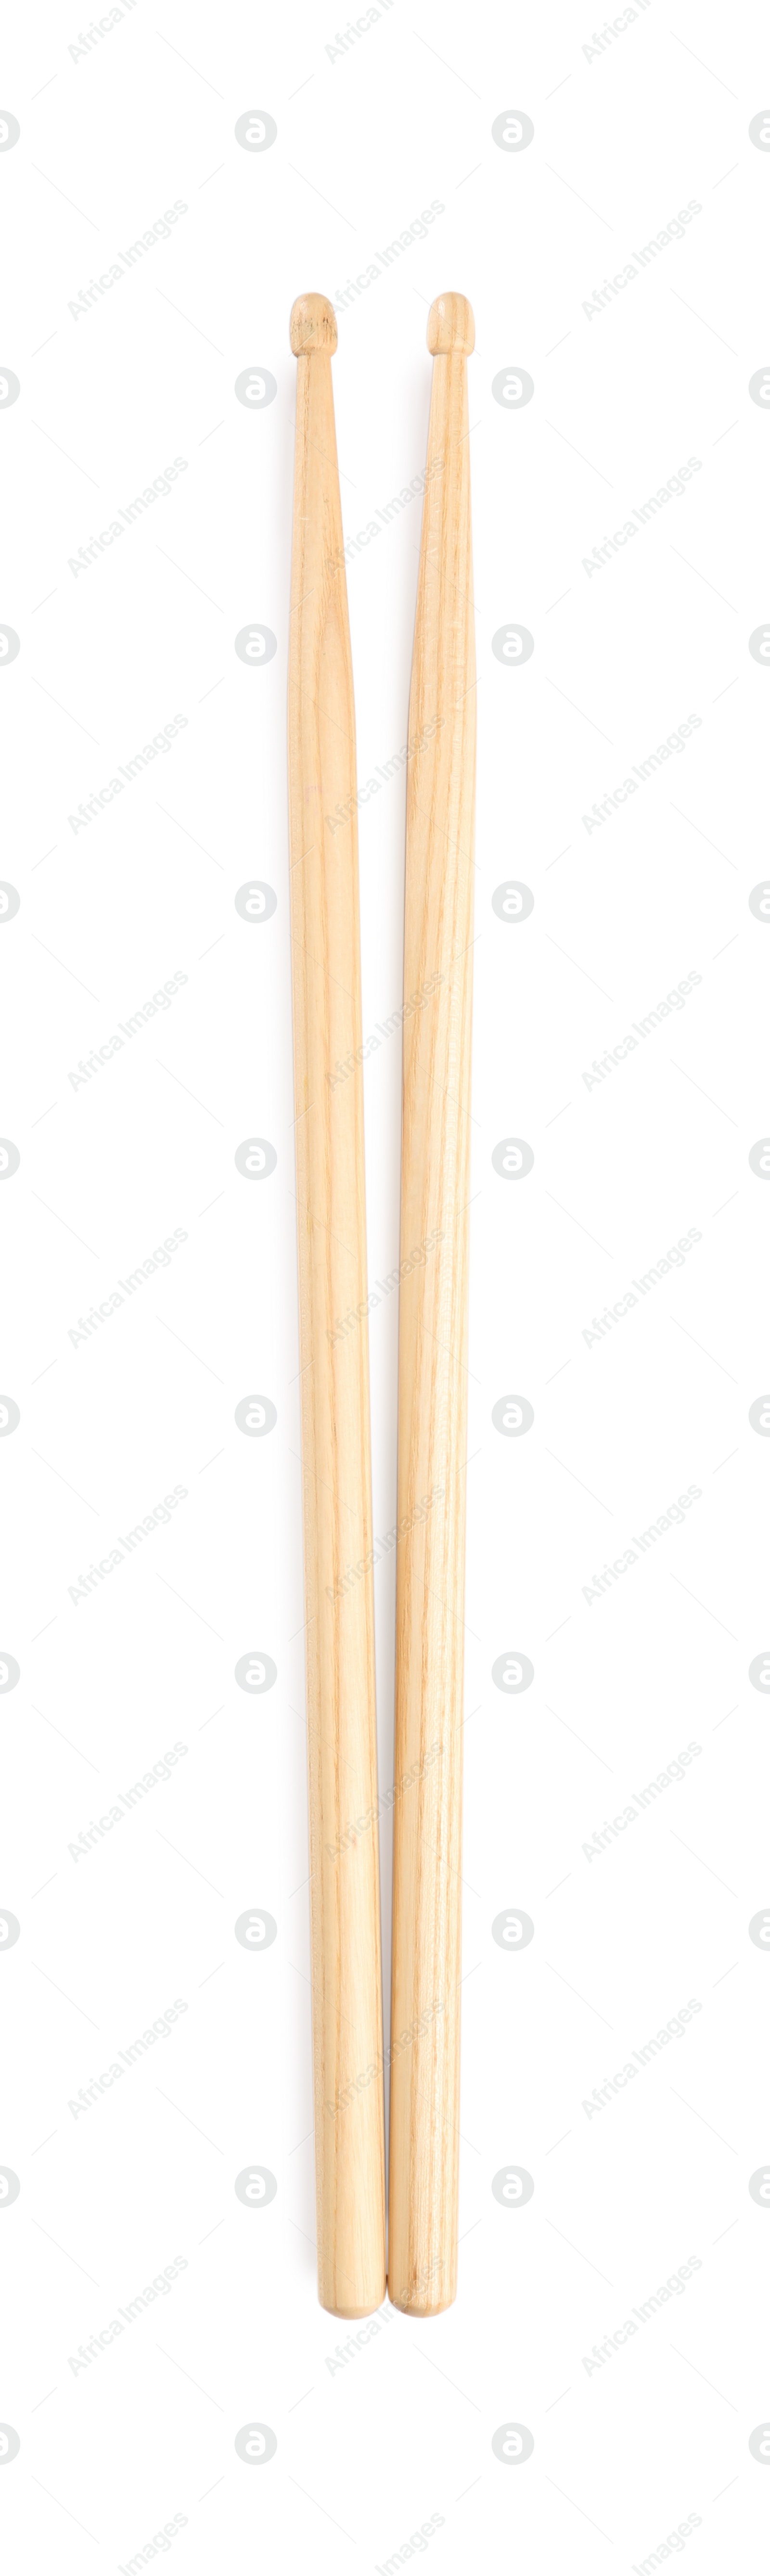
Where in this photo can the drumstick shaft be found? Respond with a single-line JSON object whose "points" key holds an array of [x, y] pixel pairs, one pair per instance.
{"points": [[334, 1361], [425, 2028]]}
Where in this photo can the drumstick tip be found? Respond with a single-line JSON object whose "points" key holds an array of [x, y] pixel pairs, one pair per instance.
{"points": [[313, 325], [451, 327]]}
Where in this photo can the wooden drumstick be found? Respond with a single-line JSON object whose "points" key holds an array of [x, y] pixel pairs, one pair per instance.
{"points": [[425, 2025], [334, 1361]]}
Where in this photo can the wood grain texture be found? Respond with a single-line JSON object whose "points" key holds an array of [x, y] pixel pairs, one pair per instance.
{"points": [[334, 1361], [430, 1580]]}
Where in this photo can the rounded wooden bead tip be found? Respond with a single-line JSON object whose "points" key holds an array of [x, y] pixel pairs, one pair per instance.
{"points": [[313, 325], [451, 326]]}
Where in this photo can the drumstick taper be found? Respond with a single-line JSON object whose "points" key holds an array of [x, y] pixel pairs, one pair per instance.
{"points": [[430, 1577], [334, 1361]]}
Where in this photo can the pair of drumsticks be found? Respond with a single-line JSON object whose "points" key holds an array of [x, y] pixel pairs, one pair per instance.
{"points": [[424, 2052]]}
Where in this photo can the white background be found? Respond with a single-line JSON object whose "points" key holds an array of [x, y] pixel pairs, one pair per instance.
{"points": [[366, 138]]}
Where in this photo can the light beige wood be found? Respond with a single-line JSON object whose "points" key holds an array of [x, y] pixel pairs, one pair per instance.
{"points": [[430, 1579], [334, 1361]]}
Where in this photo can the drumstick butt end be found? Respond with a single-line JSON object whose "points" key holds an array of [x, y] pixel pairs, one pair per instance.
{"points": [[313, 325], [451, 327]]}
